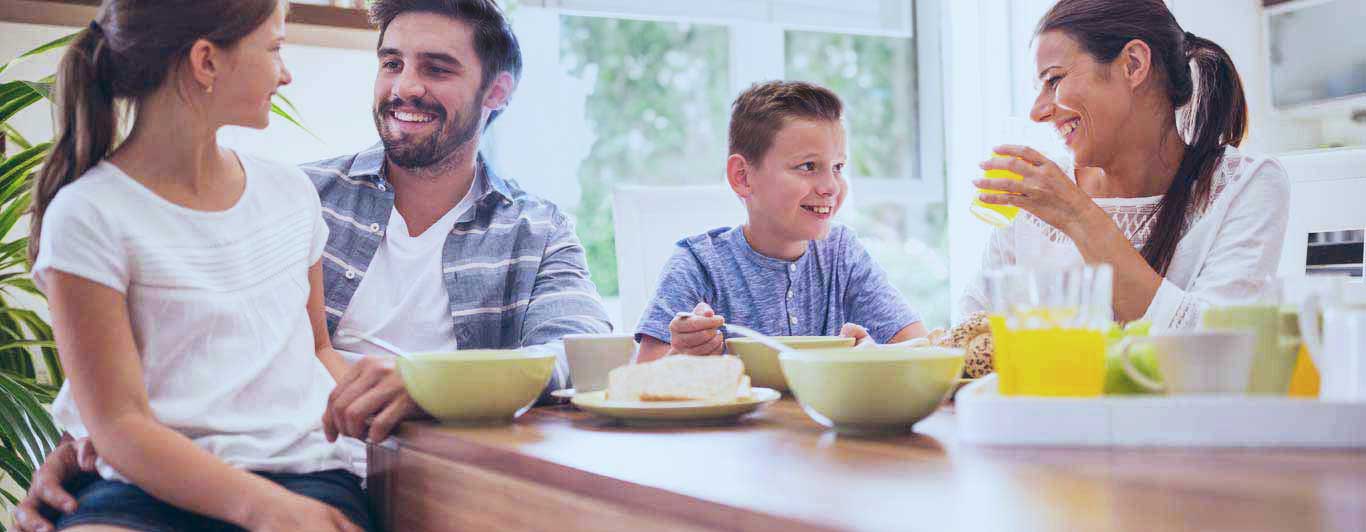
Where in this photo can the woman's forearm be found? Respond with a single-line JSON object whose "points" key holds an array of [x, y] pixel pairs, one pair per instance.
{"points": [[172, 468], [1136, 283]]}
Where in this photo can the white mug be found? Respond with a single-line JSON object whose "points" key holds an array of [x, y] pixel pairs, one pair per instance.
{"points": [[1339, 347], [592, 356], [1195, 361]]}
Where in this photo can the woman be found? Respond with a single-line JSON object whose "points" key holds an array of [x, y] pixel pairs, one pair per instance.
{"points": [[1186, 220], [184, 281]]}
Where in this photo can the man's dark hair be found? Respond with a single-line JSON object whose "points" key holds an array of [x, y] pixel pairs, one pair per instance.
{"points": [[494, 41]]}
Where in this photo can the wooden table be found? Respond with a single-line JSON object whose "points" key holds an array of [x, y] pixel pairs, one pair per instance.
{"points": [[560, 469]]}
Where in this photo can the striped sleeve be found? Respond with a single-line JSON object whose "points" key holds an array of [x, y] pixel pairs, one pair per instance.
{"points": [[564, 299]]}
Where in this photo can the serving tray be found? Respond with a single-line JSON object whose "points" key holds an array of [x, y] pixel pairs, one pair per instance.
{"points": [[986, 417]]}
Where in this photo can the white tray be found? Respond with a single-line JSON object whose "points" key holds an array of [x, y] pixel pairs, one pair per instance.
{"points": [[986, 417]]}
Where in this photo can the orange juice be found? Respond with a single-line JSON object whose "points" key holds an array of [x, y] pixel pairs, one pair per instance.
{"points": [[1000, 358], [997, 215], [1305, 381], [1053, 361]]}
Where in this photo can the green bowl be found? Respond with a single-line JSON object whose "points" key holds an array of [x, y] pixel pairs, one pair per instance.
{"points": [[875, 390], [761, 361], [478, 386]]}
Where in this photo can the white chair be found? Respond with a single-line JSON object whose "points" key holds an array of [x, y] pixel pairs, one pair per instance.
{"points": [[649, 222], [1326, 192]]}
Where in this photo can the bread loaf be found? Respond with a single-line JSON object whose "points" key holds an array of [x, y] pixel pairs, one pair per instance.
{"points": [[680, 378]]}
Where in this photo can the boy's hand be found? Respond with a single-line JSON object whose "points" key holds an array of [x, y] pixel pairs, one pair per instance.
{"points": [[858, 333], [698, 333]]}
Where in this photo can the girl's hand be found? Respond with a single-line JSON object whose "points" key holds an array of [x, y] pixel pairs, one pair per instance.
{"points": [[297, 512], [1045, 191]]}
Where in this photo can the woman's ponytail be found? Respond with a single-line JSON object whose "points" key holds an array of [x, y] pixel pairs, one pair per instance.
{"points": [[1214, 116]]}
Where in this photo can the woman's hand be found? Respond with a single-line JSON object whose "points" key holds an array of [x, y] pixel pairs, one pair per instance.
{"points": [[297, 512], [1045, 191]]}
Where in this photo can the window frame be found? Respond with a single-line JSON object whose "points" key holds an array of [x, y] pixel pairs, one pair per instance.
{"points": [[758, 52]]}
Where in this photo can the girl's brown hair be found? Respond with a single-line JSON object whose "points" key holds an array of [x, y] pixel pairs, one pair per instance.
{"points": [[128, 52], [1213, 110]]}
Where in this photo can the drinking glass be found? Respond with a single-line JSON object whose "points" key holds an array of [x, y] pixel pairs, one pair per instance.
{"points": [[1049, 327]]}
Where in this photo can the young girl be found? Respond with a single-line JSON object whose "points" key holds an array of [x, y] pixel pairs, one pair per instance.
{"points": [[184, 281]]}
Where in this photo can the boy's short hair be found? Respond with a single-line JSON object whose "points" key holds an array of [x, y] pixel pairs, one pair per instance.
{"points": [[763, 109], [494, 42]]}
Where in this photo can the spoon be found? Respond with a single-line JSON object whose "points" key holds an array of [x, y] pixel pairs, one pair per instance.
{"points": [[757, 336]]}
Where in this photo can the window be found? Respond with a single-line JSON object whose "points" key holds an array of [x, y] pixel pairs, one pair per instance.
{"points": [[898, 213], [656, 110], [637, 92]]}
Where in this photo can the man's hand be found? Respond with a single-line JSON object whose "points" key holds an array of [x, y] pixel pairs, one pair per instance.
{"points": [[698, 333], [369, 402], [46, 494]]}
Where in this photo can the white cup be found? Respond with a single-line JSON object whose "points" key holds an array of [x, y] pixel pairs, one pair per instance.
{"points": [[1195, 361], [592, 356]]}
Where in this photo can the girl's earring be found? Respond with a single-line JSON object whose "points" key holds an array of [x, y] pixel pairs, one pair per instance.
{"points": [[208, 90]]}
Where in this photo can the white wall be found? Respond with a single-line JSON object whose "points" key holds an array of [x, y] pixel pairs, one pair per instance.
{"points": [[333, 89]]}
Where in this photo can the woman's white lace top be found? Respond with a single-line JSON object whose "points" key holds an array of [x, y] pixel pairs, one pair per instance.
{"points": [[1229, 243]]}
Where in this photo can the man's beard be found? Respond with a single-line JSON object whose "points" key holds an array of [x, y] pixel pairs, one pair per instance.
{"points": [[413, 152]]}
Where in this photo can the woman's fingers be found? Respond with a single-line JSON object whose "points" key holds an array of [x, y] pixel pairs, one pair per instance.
{"points": [[1027, 153], [1010, 164], [1002, 199], [1009, 186]]}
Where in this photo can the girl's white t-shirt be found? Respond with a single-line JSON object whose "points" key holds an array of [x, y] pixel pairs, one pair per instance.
{"points": [[217, 302]]}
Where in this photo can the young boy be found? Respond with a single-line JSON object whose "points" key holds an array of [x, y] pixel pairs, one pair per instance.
{"points": [[788, 270]]}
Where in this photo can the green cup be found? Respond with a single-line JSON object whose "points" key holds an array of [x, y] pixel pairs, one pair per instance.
{"points": [[1272, 366]]}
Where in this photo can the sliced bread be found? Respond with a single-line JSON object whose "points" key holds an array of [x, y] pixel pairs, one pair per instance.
{"points": [[680, 378]]}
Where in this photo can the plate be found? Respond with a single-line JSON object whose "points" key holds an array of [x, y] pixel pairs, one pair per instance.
{"points": [[672, 412]]}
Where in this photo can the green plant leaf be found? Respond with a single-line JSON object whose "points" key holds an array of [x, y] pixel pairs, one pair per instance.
{"points": [[16, 209], [43, 393], [10, 499], [14, 97], [43, 87], [43, 431], [14, 171], [13, 135], [23, 283], [282, 113], [28, 343], [61, 42], [16, 430], [288, 103], [14, 466], [40, 330]]}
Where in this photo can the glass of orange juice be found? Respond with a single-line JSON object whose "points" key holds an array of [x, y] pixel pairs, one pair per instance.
{"points": [[996, 215], [1049, 325], [1017, 131]]}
